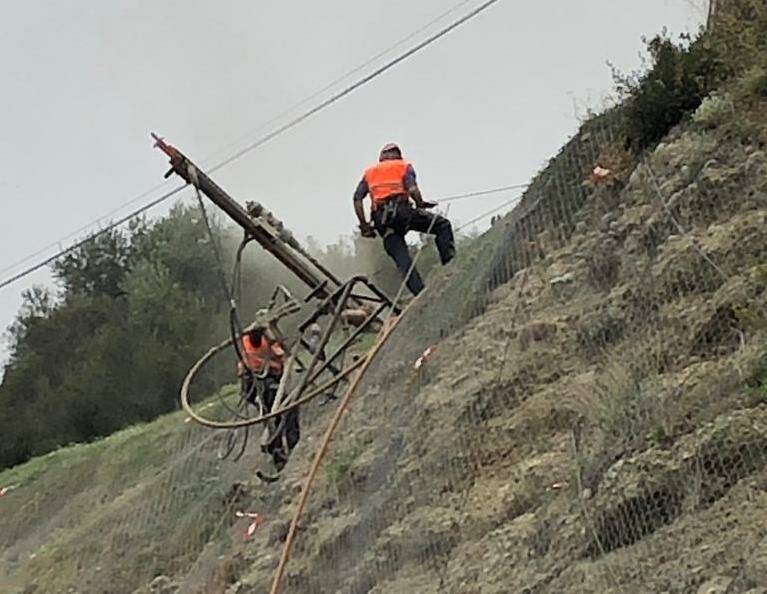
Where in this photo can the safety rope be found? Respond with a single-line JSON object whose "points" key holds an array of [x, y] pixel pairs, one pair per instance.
{"points": [[489, 212], [192, 172], [231, 440], [386, 331], [413, 262], [235, 326], [479, 193], [389, 325], [679, 227]]}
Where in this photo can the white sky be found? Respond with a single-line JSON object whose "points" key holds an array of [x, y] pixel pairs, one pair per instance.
{"points": [[83, 83]]}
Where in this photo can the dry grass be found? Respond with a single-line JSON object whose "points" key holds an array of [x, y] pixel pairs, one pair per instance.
{"points": [[140, 503]]}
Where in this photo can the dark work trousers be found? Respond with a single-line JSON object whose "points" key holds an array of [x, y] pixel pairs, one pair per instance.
{"points": [[393, 221], [291, 431]]}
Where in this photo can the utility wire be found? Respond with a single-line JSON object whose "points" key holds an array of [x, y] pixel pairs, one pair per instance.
{"points": [[263, 125], [90, 238], [85, 227], [489, 212], [266, 138], [480, 193], [353, 87], [178, 189], [345, 76]]}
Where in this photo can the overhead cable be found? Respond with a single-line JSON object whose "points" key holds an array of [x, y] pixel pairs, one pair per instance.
{"points": [[346, 75], [353, 87], [266, 138], [263, 125], [480, 193], [90, 238], [85, 227], [489, 212]]}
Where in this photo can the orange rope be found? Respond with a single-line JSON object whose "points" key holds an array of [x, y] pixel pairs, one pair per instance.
{"points": [[385, 333]]}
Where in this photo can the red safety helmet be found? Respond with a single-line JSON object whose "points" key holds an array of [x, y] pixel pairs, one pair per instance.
{"points": [[389, 147]]}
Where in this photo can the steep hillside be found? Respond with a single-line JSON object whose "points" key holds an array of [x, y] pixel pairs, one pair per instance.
{"points": [[600, 427], [593, 420]]}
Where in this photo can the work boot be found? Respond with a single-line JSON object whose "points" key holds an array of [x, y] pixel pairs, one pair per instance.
{"points": [[448, 255], [280, 459]]}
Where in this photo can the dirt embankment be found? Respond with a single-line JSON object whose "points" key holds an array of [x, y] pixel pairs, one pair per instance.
{"points": [[594, 419], [600, 427]]}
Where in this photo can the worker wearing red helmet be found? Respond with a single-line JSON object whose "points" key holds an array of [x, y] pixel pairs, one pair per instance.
{"points": [[261, 369], [391, 184]]}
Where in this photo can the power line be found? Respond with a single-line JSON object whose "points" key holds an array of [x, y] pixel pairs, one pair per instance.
{"points": [[489, 212], [353, 87], [346, 75], [272, 120], [266, 138], [85, 227], [167, 195], [480, 193], [90, 238], [263, 125]]}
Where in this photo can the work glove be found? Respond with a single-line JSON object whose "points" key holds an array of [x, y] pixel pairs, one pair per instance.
{"points": [[425, 204], [366, 229]]}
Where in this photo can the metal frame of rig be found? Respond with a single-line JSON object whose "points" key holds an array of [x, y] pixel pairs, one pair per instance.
{"points": [[331, 296]]}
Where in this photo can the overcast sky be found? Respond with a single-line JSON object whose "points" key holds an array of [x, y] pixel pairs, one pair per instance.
{"points": [[84, 82]]}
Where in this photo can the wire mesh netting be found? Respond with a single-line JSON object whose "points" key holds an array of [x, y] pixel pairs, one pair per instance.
{"points": [[592, 418], [576, 404]]}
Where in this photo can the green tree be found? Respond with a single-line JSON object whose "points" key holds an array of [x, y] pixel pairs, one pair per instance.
{"points": [[97, 267]]}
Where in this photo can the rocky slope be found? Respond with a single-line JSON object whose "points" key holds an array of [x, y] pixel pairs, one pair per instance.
{"points": [[594, 418], [598, 426]]}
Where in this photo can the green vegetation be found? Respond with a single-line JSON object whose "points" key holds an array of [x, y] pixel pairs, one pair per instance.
{"points": [[339, 465], [627, 409], [86, 498], [133, 311], [714, 111], [110, 347], [625, 413], [681, 74], [754, 82]]}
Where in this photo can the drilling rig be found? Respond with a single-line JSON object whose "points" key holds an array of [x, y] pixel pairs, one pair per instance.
{"points": [[329, 299]]}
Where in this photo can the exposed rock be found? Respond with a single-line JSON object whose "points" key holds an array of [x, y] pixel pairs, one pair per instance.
{"points": [[163, 585], [718, 585], [755, 568], [564, 279], [756, 163], [535, 332]]}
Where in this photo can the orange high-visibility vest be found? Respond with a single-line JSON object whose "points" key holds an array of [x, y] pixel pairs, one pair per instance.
{"points": [[386, 179], [257, 356]]}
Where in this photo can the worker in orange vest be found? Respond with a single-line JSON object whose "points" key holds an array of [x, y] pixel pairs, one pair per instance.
{"points": [[261, 371], [391, 184], [260, 353]]}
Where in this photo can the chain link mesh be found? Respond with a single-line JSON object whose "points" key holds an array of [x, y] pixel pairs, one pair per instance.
{"points": [[592, 418]]}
